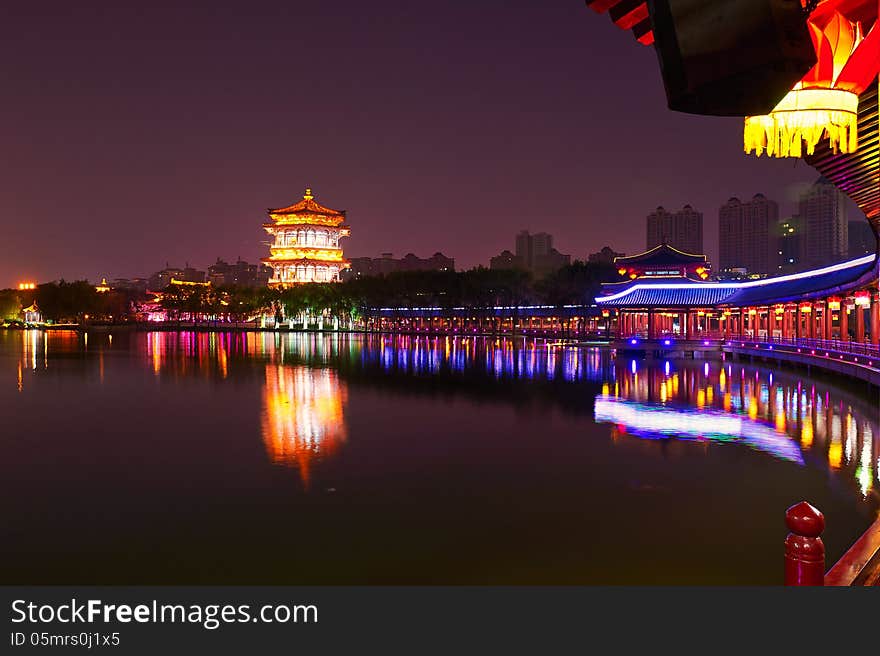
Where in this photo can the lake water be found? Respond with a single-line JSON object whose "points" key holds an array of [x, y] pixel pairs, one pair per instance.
{"points": [[167, 457]]}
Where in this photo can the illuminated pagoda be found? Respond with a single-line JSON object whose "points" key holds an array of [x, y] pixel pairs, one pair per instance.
{"points": [[306, 243]]}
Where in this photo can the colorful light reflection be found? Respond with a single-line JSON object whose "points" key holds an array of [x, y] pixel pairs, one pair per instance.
{"points": [[658, 422], [303, 416]]}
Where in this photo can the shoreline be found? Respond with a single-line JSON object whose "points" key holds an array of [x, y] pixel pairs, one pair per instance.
{"points": [[827, 367]]}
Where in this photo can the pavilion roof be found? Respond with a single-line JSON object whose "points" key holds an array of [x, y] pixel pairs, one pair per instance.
{"points": [[627, 15], [667, 292], [307, 205], [662, 255]]}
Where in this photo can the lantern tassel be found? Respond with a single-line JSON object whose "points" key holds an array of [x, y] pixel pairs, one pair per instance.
{"points": [[803, 118]]}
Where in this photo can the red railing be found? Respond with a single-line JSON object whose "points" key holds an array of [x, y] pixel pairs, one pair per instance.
{"points": [[837, 345], [805, 552], [858, 353]]}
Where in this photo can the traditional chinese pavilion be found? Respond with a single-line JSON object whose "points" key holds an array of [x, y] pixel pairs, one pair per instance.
{"points": [[663, 261], [306, 243], [829, 117], [806, 304]]}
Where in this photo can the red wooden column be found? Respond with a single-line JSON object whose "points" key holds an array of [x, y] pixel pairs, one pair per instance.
{"points": [[844, 320], [829, 325], [875, 319], [860, 323], [804, 549]]}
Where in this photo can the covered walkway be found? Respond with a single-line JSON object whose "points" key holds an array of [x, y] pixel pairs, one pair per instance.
{"points": [[838, 302]]}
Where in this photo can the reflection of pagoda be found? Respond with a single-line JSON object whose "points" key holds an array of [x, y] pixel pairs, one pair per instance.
{"points": [[306, 246], [302, 415]]}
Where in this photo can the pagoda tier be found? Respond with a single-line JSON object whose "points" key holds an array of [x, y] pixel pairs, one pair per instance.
{"points": [[306, 243]]}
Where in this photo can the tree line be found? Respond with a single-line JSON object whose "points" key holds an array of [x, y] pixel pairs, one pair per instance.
{"points": [[355, 299]]}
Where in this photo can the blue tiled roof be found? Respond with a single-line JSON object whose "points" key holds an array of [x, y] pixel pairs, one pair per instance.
{"points": [[648, 296], [682, 293]]}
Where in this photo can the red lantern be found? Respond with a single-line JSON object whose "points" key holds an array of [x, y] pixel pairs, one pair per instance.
{"points": [[825, 102]]}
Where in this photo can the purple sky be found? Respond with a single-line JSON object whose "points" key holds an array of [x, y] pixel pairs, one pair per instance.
{"points": [[135, 135]]}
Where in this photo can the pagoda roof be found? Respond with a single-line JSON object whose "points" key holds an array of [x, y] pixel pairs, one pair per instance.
{"points": [[307, 205], [305, 260], [662, 255]]}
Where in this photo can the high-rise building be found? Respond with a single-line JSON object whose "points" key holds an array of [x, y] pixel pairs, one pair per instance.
{"points": [[534, 252], [682, 230], [506, 260], [861, 238], [822, 209], [239, 274], [605, 256], [306, 243], [379, 266], [789, 240], [161, 279], [530, 248], [747, 237]]}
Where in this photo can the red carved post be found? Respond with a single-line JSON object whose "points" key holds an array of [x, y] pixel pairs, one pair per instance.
{"points": [[804, 549]]}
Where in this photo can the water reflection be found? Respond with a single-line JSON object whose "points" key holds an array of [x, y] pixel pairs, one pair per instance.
{"points": [[305, 380], [207, 442], [502, 358], [658, 422], [303, 415], [787, 417]]}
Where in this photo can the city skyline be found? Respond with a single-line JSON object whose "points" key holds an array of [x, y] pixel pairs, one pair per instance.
{"points": [[179, 156], [858, 226]]}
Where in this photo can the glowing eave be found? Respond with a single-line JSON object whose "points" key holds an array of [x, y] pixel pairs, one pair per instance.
{"points": [[306, 253], [343, 264], [624, 259], [867, 259], [306, 220]]}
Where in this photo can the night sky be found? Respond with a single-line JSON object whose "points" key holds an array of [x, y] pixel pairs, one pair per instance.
{"points": [[160, 132]]}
